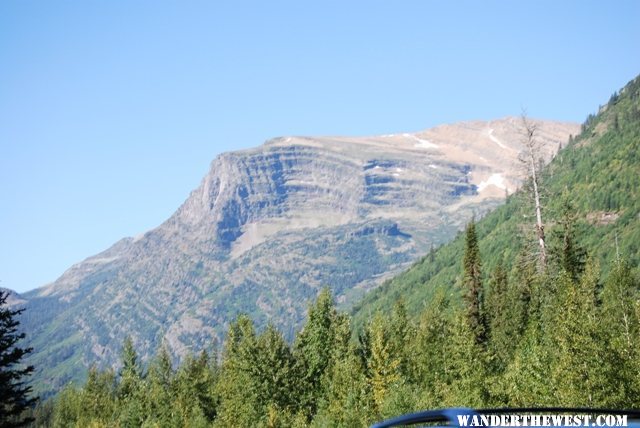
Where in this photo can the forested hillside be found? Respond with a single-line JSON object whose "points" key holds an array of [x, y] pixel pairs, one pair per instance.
{"points": [[265, 231], [596, 177], [481, 322]]}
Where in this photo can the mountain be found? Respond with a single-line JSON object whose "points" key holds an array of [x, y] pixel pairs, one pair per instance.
{"points": [[266, 229], [13, 298], [528, 334], [597, 174]]}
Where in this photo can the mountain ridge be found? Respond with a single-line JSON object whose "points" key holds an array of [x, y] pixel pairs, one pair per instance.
{"points": [[268, 227], [601, 186]]}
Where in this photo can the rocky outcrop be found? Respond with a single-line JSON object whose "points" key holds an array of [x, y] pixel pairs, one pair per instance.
{"points": [[266, 229]]}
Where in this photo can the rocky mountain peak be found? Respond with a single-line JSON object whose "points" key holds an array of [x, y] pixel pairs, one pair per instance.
{"points": [[268, 227]]}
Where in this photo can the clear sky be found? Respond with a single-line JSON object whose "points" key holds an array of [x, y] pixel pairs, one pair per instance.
{"points": [[111, 111]]}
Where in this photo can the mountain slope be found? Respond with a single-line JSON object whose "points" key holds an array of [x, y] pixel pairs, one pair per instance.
{"points": [[598, 172], [265, 230]]}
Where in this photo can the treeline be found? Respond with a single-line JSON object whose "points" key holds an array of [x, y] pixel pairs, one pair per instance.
{"points": [[535, 336], [524, 333], [598, 172]]}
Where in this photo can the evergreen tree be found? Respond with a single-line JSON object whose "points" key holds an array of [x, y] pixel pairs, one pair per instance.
{"points": [[431, 352], [383, 365], [67, 407], [195, 383], [312, 350], [465, 367], [347, 400], [499, 314], [496, 299], [522, 301], [15, 395], [159, 400], [521, 344], [257, 380], [401, 337], [473, 292], [239, 405], [567, 253], [620, 330], [130, 374], [273, 372], [98, 398], [130, 388], [578, 365], [525, 382]]}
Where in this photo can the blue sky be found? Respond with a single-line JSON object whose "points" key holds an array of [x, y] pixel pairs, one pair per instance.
{"points": [[110, 112]]}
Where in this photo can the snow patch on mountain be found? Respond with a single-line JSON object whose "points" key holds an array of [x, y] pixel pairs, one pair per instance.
{"points": [[495, 180], [495, 140], [421, 143]]}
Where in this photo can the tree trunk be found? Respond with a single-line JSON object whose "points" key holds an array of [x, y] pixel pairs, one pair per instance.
{"points": [[530, 130]]}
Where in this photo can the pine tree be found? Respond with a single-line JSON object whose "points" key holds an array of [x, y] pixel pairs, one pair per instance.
{"points": [[257, 383], [130, 387], [383, 365], [620, 330], [499, 313], [520, 344], [347, 401], [523, 302], [98, 398], [160, 389], [431, 352], [15, 395], [239, 405], [130, 373], [273, 372], [525, 382], [473, 293], [312, 350], [67, 408], [567, 253], [401, 337], [465, 367], [578, 365], [194, 384]]}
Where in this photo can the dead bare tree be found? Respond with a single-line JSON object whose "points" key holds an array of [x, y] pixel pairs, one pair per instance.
{"points": [[531, 158]]}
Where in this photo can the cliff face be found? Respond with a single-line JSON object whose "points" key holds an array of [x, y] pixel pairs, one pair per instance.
{"points": [[266, 229]]}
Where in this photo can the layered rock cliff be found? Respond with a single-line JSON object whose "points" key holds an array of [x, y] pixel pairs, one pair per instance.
{"points": [[266, 229]]}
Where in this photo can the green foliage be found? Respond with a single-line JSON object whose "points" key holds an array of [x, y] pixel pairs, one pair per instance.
{"points": [[525, 382], [236, 386], [97, 398], [384, 363], [473, 291], [566, 336], [465, 366], [598, 172], [567, 255], [67, 408], [577, 364], [130, 374], [431, 352], [499, 308], [15, 395], [400, 365], [348, 399], [313, 350], [619, 327]]}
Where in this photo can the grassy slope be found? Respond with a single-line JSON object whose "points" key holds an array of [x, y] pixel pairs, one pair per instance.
{"points": [[599, 172]]}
